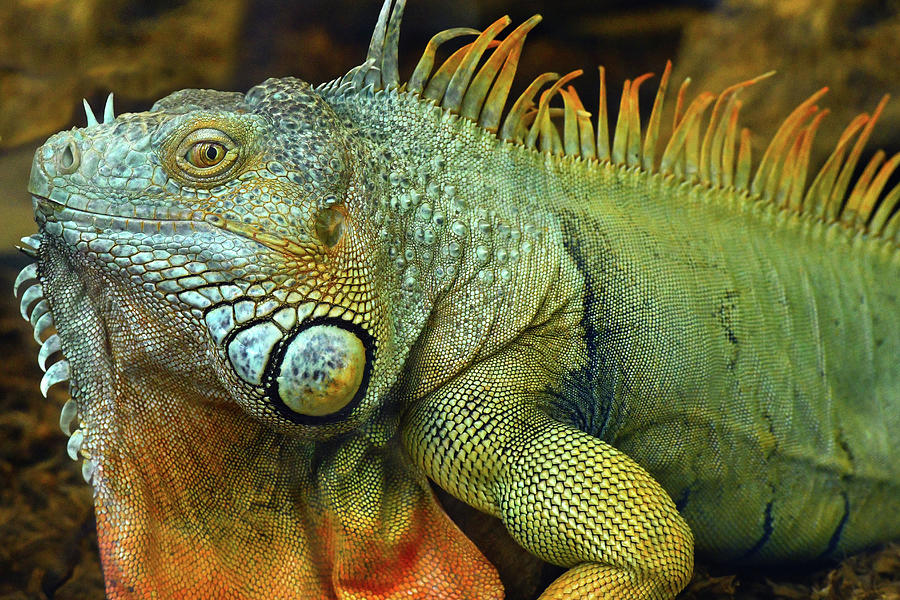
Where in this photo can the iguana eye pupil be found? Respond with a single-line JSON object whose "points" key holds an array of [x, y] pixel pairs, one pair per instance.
{"points": [[206, 154], [203, 157]]}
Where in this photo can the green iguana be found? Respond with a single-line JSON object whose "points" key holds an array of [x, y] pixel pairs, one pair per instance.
{"points": [[281, 313]]}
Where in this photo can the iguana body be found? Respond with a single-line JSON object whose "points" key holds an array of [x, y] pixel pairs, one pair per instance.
{"points": [[282, 311]]}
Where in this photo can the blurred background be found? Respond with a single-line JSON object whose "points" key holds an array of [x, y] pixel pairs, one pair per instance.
{"points": [[53, 53]]}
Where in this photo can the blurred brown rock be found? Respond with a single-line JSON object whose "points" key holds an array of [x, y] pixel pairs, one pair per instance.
{"points": [[54, 52], [849, 45]]}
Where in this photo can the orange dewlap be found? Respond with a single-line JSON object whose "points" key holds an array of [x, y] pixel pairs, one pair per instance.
{"points": [[193, 521], [431, 558]]}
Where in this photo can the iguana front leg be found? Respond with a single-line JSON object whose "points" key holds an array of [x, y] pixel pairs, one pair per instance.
{"points": [[567, 497]]}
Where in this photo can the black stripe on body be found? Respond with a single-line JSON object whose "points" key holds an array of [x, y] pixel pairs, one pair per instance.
{"points": [[768, 528], [836, 536], [585, 395], [683, 499]]}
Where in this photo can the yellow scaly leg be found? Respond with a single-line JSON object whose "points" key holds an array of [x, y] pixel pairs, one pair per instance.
{"points": [[569, 498]]}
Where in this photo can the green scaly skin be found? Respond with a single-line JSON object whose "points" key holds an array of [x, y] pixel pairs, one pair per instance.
{"points": [[562, 343]]}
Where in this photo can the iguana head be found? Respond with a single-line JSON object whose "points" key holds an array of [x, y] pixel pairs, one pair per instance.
{"points": [[241, 219], [210, 275]]}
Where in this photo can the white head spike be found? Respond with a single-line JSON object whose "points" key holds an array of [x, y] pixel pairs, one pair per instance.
{"points": [[73, 447], [38, 310], [390, 76], [42, 323], [109, 114], [32, 295], [376, 45], [88, 468], [89, 112], [27, 251], [30, 245], [359, 73], [68, 416], [32, 241]]}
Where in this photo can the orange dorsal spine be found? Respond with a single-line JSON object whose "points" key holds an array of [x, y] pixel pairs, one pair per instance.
{"points": [[700, 149]]}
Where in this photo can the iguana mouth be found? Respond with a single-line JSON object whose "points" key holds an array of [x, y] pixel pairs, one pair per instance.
{"points": [[101, 215], [106, 215]]}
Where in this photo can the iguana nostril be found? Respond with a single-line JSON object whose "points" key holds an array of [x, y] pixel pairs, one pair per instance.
{"points": [[68, 159]]}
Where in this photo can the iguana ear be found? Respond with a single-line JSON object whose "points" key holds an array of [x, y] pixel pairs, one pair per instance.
{"points": [[329, 227]]}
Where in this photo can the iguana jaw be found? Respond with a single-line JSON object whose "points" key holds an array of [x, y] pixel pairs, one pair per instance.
{"points": [[196, 499], [163, 219], [185, 481]]}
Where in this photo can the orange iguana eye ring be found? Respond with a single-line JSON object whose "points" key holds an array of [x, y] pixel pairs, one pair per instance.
{"points": [[204, 155]]}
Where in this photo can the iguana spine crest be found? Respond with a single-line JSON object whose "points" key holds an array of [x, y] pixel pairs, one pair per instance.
{"points": [[697, 151]]}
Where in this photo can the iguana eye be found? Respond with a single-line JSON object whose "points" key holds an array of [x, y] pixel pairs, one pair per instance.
{"points": [[206, 154]]}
